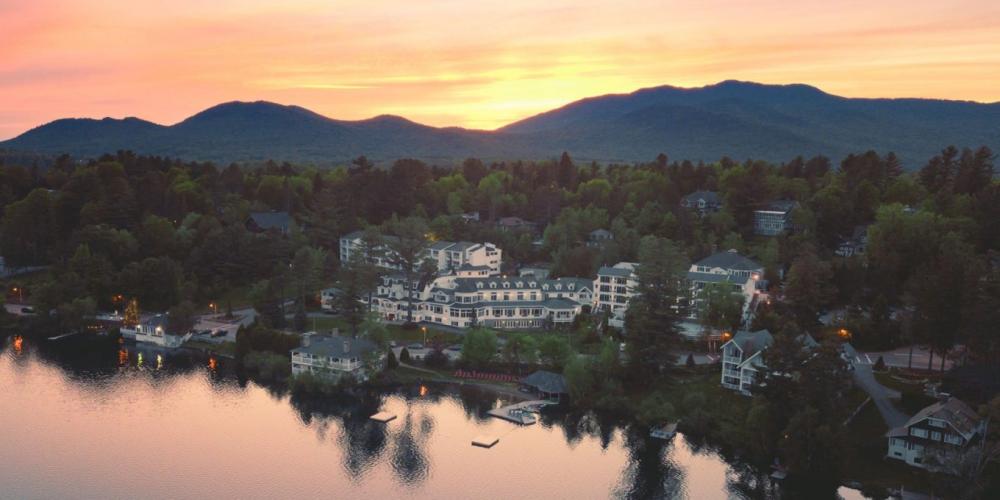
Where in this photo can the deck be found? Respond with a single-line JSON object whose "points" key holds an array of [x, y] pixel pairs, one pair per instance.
{"points": [[522, 413]]}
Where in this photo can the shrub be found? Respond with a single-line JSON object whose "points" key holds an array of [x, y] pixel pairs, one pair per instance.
{"points": [[390, 361], [879, 365], [404, 356], [690, 361]]}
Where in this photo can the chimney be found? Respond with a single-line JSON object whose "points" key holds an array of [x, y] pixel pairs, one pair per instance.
{"points": [[306, 339], [347, 346]]}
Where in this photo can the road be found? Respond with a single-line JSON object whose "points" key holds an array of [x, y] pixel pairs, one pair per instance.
{"points": [[900, 358], [881, 395]]}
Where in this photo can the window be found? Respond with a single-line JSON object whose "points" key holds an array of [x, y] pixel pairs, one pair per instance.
{"points": [[953, 439], [916, 431]]}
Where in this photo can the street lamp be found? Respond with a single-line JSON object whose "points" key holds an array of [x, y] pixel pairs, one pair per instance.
{"points": [[424, 330], [214, 307], [20, 293]]}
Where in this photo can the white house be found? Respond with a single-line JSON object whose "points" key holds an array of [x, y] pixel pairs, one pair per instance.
{"points": [[741, 273], [613, 288], [328, 299], [743, 362], [447, 255], [775, 219], [463, 300], [333, 356], [937, 436], [153, 330], [855, 244]]}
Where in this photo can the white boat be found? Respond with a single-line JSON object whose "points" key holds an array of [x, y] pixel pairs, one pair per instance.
{"points": [[664, 432]]}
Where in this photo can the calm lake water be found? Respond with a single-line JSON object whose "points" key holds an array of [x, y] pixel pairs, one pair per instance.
{"points": [[87, 421]]}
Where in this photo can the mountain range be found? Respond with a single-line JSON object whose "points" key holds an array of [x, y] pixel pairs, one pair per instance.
{"points": [[736, 119]]}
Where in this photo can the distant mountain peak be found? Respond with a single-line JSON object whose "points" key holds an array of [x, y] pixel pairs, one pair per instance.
{"points": [[734, 118]]}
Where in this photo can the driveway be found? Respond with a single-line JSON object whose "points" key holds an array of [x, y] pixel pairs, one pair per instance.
{"points": [[881, 395]]}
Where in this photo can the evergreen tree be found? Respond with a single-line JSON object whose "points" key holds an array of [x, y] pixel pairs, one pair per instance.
{"points": [[656, 309]]}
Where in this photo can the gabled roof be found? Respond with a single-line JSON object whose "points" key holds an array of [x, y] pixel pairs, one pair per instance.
{"points": [[729, 259], [708, 196], [334, 346], [780, 206], [622, 269], [713, 278], [545, 381], [953, 411], [440, 245], [753, 342], [271, 220]]}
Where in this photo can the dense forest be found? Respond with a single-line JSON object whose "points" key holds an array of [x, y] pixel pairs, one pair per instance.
{"points": [[175, 235]]}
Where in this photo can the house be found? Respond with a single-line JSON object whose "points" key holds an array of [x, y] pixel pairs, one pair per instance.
{"points": [[743, 274], [447, 255], [328, 299], [269, 222], [333, 357], [470, 217], [154, 330], [515, 224], [464, 300], [855, 244], [775, 219], [743, 361], [937, 436], [703, 202], [599, 237], [546, 384], [613, 288]]}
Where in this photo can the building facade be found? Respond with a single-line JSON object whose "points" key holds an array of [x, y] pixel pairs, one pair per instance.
{"points": [[702, 202], [775, 219], [743, 362], [447, 255], [464, 299], [613, 288], [333, 357], [937, 436]]}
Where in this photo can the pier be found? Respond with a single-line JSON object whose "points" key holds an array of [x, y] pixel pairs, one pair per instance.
{"points": [[520, 413]]}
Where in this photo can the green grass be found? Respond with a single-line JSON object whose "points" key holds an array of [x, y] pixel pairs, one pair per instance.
{"points": [[225, 348]]}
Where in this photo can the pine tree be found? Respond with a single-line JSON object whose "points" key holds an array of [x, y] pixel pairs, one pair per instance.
{"points": [[656, 309], [131, 313]]}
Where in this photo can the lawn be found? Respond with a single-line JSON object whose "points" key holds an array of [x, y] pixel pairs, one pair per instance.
{"points": [[867, 462]]}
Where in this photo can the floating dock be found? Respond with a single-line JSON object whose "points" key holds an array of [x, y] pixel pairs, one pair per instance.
{"points": [[520, 413], [485, 441], [383, 417]]}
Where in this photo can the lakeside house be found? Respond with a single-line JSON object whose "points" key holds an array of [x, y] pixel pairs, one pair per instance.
{"points": [[155, 330], [465, 299], [613, 288], [546, 384], [742, 274], [702, 202], [775, 219], [333, 357], [937, 437], [269, 222], [448, 255], [743, 361]]}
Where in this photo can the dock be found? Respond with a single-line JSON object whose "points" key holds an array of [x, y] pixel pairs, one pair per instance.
{"points": [[65, 335], [485, 441], [520, 413], [383, 417]]}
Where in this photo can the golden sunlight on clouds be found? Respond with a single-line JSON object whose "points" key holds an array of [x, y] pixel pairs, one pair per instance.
{"points": [[472, 64]]}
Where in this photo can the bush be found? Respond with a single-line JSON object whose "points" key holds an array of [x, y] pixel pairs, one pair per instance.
{"points": [[390, 361], [404, 356], [690, 361], [267, 365], [879, 365], [436, 359]]}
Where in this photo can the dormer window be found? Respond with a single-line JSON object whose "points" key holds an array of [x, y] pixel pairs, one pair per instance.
{"points": [[479, 285], [506, 284], [493, 285], [570, 286], [520, 284], [533, 284]]}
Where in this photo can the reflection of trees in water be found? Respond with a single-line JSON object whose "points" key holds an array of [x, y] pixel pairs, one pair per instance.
{"points": [[648, 473], [475, 402], [409, 460], [744, 481]]}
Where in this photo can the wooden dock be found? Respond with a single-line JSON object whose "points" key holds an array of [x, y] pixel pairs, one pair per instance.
{"points": [[485, 441], [522, 413], [383, 417]]}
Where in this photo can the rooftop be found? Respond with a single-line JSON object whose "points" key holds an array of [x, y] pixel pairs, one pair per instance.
{"points": [[545, 381], [271, 220], [335, 346], [729, 259], [708, 196], [952, 410], [753, 342]]}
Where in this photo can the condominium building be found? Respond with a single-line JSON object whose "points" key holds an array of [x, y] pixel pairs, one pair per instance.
{"points": [[613, 288], [447, 255], [775, 219]]}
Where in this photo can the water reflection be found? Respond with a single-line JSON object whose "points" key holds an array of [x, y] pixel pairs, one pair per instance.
{"points": [[218, 430]]}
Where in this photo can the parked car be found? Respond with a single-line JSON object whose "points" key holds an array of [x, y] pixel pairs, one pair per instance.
{"points": [[454, 347], [219, 333], [415, 345]]}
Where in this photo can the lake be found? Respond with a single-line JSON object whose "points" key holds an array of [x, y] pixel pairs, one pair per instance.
{"points": [[83, 419]]}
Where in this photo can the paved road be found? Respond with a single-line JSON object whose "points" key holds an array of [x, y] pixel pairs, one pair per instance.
{"points": [[900, 358], [881, 396]]}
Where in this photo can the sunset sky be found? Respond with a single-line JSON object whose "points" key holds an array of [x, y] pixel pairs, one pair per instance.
{"points": [[467, 63]]}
